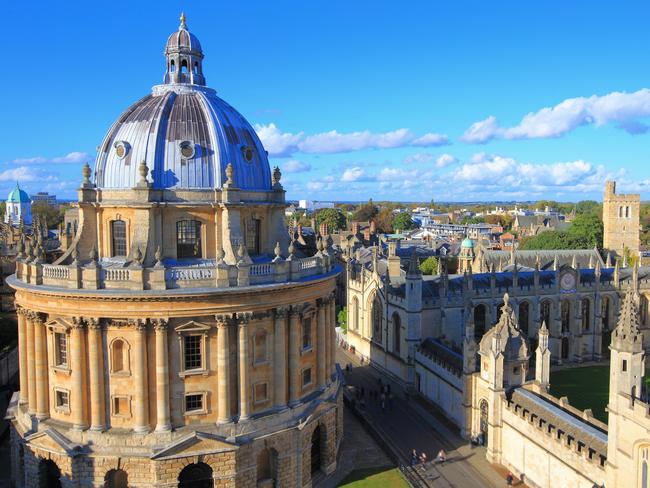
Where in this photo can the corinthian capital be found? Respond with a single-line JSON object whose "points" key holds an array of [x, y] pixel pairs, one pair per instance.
{"points": [[160, 324]]}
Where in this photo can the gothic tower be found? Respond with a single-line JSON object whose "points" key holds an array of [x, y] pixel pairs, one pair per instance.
{"points": [[621, 221]]}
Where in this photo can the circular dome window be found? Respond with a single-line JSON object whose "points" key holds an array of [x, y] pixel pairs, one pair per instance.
{"points": [[248, 153], [187, 149], [121, 149]]}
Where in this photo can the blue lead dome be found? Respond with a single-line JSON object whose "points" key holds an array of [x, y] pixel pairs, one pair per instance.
{"points": [[184, 132]]}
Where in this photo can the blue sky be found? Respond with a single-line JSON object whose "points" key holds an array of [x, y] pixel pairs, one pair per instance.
{"points": [[421, 100]]}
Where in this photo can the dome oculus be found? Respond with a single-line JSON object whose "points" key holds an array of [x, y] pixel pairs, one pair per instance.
{"points": [[187, 149], [248, 153], [121, 149]]}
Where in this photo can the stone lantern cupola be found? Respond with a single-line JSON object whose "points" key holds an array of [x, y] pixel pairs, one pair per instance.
{"points": [[184, 57]]}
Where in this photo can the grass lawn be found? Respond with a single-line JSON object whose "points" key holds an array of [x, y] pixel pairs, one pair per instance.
{"points": [[586, 387], [375, 478]]}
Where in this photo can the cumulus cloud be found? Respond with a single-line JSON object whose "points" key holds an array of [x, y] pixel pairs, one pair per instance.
{"points": [[283, 144], [26, 174], [418, 158], [276, 142], [72, 157], [621, 108], [295, 166], [353, 174], [445, 160]]}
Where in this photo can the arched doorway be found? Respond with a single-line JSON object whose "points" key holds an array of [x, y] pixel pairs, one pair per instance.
{"points": [[524, 317], [267, 462], [315, 450], [483, 420], [49, 474], [565, 348], [197, 475], [480, 322], [116, 478]]}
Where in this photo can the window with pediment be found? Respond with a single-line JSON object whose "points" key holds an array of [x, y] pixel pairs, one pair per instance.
{"points": [[193, 347]]}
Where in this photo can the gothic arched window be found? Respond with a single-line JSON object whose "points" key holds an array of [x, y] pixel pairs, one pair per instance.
{"points": [[605, 313], [545, 313], [480, 321], [644, 477], [586, 314], [524, 317], [376, 317], [397, 333], [566, 315]]}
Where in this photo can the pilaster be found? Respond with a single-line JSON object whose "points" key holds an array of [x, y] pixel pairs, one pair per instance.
{"points": [[96, 375], [163, 420], [140, 377], [280, 359], [78, 399]]}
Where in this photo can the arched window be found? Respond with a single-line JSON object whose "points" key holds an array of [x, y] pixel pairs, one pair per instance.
{"points": [[49, 474], [267, 469], [116, 478], [479, 321], [198, 475], [376, 316], [172, 66], [355, 313], [644, 481], [184, 66], [259, 346], [545, 313], [188, 239], [397, 333], [586, 314], [643, 309], [119, 356], [566, 315], [196, 68], [524, 317], [605, 313], [483, 420], [306, 333], [118, 237]]}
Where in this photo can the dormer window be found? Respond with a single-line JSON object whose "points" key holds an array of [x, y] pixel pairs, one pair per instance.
{"points": [[121, 149], [187, 149], [248, 153]]}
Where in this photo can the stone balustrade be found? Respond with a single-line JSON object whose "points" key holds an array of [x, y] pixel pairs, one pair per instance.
{"points": [[210, 274]]}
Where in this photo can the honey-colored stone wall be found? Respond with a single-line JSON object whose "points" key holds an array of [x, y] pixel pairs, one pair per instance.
{"points": [[621, 221]]}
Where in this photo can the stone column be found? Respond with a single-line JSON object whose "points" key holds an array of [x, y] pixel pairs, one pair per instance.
{"points": [[77, 406], [140, 377], [320, 349], [328, 342], [163, 421], [280, 359], [22, 355], [294, 358], [244, 360], [31, 362], [332, 326], [96, 375], [223, 370], [41, 376]]}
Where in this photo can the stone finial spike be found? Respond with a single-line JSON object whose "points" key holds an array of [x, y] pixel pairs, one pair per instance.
{"points": [[75, 253], [597, 269], [241, 250], [513, 259], [220, 255], [608, 263], [158, 257], [624, 260], [556, 264], [635, 277], [276, 177], [574, 262], [543, 330], [591, 261], [506, 300], [85, 172], [143, 170], [137, 255], [230, 172], [93, 254], [277, 251]]}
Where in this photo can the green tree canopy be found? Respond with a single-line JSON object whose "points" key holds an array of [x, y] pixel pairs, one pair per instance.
{"points": [[53, 214], [342, 319], [585, 232], [429, 266], [365, 212], [403, 221], [333, 217]]}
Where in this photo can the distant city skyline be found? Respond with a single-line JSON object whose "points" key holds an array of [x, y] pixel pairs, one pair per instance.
{"points": [[360, 100]]}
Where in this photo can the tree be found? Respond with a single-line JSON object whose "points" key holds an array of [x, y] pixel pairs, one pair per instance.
{"points": [[429, 266], [384, 221], [365, 212], [403, 221], [342, 319], [588, 207], [53, 215], [333, 217], [585, 232]]}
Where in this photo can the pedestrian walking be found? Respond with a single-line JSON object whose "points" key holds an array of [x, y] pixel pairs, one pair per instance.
{"points": [[509, 478], [442, 456], [414, 457], [423, 460]]}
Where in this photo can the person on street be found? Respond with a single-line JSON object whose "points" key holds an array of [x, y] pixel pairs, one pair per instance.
{"points": [[442, 456], [423, 460], [509, 478], [414, 457]]}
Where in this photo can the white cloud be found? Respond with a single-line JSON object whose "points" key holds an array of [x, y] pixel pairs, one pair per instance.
{"points": [[353, 174], [276, 142], [445, 160], [283, 144], [295, 166], [72, 157], [623, 109], [26, 174], [418, 158]]}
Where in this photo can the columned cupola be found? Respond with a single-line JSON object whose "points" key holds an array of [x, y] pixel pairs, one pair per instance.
{"points": [[184, 57]]}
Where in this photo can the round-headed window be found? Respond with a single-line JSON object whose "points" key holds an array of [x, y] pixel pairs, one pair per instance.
{"points": [[121, 149], [187, 149]]}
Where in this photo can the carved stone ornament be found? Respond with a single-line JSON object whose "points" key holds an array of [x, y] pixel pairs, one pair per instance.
{"points": [[160, 324]]}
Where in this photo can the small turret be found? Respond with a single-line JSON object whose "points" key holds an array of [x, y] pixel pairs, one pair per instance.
{"points": [[543, 359]]}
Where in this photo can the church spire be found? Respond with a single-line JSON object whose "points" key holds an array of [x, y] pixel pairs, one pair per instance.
{"points": [[627, 336]]}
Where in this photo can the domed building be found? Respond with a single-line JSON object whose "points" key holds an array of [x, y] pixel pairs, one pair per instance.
{"points": [[18, 207], [179, 341]]}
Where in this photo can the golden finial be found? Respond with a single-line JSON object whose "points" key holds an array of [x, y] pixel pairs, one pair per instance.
{"points": [[182, 20]]}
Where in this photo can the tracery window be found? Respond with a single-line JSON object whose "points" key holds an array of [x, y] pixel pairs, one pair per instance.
{"points": [[566, 315], [376, 317], [644, 477], [188, 239], [545, 313], [586, 314]]}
